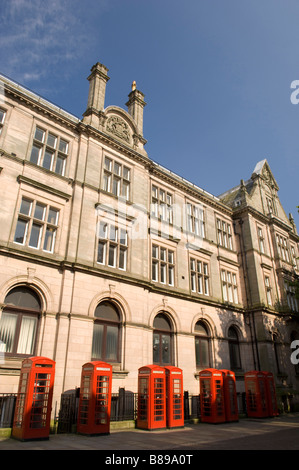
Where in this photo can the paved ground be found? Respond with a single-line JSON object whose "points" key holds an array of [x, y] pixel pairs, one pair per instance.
{"points": [[281, 433]]}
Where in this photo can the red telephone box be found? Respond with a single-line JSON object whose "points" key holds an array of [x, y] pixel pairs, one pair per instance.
{"points": [[256, 394], [151, 397], [230, 396], [211, 396], [34, 401], [95, 398], [174, 397], [271, 394]]}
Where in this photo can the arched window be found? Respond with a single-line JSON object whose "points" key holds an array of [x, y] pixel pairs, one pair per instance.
{"points": [[234, 348], [19, 322], [162, 341], [106, 333], [202, 345]]}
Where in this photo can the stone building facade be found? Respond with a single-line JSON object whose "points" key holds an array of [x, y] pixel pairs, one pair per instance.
{"points": [[106, 255]]}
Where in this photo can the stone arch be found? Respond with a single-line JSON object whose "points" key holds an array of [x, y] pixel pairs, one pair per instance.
{"points": [[36, 284], [169, 312], [114, 298], [207, 320]]}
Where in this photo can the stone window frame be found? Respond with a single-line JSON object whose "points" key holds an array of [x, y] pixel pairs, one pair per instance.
{"points": [[199, 276], [115, 245], [116, 178], [224, 233], [38, 218], [162, 203], [229, 286], [163, 264], [49, 150]]}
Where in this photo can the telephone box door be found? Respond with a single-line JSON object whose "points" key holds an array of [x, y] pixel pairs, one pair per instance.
{"points": [[174, 397], [256, 398], [211, 396], [151, 398], [95, 398], [271, 394], [230, 396], [34, 401]]}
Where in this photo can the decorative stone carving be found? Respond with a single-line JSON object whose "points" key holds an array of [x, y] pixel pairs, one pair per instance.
{"points": [[118, 127]]}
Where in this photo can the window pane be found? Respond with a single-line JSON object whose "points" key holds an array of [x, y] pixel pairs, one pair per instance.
{"points": [[108, 163], [51, 141], [97, 341], [156, 348], [112, 255], [163, 273], [8, 324], [204, 353], [27, 335], [20, 231], [122, 258], [101, 252], [117, 169], [2, 115], [39, 212], [48, 160], [39, 134], [60, 165], [170, 275], [103, 230], [23, 297], [53, 216], [35, 153], [125, 190], [107, 182], [154, 271], [35, 235], [63, 146], [49, 239], [123, 237], [113, 233], [155, 251], [165, 349], [111, 343], [106, 311], [126, 173], [116, 186], [25, 207]]}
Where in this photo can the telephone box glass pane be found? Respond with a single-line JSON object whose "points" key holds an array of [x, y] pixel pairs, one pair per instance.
{"points": [[40, 401], [177, 399], [251, 395], [206, 396], [102, 400], [158, 399], [85, 399], [143, 398]]}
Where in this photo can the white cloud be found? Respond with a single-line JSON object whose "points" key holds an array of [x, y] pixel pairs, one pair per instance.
{"points": [[38, 37]]}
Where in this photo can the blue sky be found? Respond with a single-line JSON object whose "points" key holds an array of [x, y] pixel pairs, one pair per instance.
{"points": [[216, 75]]}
